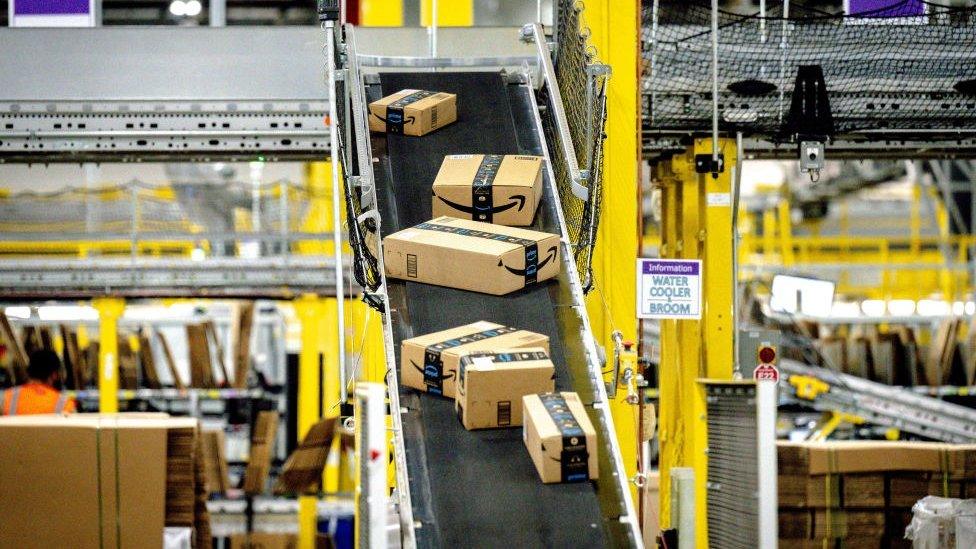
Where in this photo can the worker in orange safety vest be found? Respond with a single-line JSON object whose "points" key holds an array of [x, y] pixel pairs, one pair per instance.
{"points": [[40, 394]]}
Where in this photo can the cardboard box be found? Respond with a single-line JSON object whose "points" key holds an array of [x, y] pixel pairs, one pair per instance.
{"points": [[839, 457], [491, 384], [430, 362], [493, 188], [412, 112], [559, 437], [98, 481], [470, 255]]}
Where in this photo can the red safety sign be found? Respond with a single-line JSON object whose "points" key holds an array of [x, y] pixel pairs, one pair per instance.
{"points": [[765, 372]]}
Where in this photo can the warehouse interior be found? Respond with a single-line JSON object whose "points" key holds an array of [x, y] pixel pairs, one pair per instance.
{"points": [[468, 273]]}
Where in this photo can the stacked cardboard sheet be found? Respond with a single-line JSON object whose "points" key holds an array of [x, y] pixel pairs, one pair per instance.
{"points": [[860, 493], [98, 481]]}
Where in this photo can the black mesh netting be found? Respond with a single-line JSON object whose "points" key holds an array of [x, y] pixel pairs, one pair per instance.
{"points": [[583, 92], [905, 65]]}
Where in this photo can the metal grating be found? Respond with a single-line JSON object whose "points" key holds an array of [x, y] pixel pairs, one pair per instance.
{"points": [[733, 476]]}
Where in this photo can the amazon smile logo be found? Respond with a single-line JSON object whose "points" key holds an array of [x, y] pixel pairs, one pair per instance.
{"points": [[396, 118], [531, 270], [442, 377], [517, 200]]}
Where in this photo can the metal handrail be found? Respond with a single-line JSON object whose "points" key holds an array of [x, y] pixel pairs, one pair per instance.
{"points": [[559, 114]]}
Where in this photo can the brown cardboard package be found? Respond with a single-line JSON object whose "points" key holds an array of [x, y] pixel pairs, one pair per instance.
{"points": [[559, 437], [493, 188], [491, 384], [470, 255], [85, 480], [430, 362], [412, 112]]}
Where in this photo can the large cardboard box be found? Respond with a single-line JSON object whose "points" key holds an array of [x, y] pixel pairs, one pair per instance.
{"points": [[559, 437], [430, 362], [491, 384], [493, 188], [412, 112], [85, 480], [470, 255]]}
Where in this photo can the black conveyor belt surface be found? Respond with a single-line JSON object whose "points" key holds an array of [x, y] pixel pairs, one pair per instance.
{"points": [[473, 488]]}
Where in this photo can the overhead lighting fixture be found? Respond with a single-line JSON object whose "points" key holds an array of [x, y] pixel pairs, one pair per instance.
{"points": [[808, 296], [177, 8], [193, 8]]}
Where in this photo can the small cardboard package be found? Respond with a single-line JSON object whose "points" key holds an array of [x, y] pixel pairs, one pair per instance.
{"points": [[560, 437], [491, 384], [412, 112], [430, 362], [493, 188], [470, 255]]}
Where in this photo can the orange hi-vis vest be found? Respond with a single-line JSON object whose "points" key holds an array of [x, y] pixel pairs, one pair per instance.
{"points": [[35, 398]]}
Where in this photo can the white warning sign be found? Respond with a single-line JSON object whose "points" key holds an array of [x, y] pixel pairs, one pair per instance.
{"points": [[669, 288]]}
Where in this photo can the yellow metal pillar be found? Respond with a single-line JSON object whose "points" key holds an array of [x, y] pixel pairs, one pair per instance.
{"points": [[109, 310], [381, 13], [785, 232], [318, 220], [698, 225], [614, 33], [309, 310], [450, 13], [331, 389]]}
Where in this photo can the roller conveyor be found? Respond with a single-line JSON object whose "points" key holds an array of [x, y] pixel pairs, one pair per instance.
{"points": [[479, 488]]}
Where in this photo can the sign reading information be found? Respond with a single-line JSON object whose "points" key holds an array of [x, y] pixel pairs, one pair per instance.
{"points": [[669, 288]]}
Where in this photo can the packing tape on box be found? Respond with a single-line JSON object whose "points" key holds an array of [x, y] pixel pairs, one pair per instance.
{"points": [[574, 459], [395, 118], [481, 195], [514, 356], [531, 247], [433, 369]]}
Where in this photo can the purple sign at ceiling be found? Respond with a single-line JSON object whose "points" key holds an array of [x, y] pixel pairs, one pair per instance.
{"points": [[51, 7], [886, 8]]}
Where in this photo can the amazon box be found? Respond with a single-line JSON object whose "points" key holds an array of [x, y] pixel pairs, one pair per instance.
{"points": [[412, 112], [489, 187], [491, 384], [560, 438], [470, 255], [430, 362]]}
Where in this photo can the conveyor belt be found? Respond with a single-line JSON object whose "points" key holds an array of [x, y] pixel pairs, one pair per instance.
{"points": [[478, 488]]}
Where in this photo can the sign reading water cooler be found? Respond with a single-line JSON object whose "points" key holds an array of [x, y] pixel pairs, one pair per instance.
{"points": [[669, 288]]}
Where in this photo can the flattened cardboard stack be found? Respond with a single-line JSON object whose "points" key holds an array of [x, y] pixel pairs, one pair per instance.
{"points": [[16, 361], [212, 446], [303, 469], [97, 481], [240, 342], [470, 255], [860, 494], [262, 446], [201, 367]]}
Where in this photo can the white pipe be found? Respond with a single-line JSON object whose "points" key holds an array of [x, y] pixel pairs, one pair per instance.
{"points": [[432, 29], [683, 505], [766, 395], [715, 83], [337, 219], [371, 449]]}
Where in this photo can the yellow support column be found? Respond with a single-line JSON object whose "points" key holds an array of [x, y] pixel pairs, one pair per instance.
{"points": [[381, 13], [698, 225], [318, 220], [309, 311], [109, 310], [614, 34], [450, 13], [785, 232]]}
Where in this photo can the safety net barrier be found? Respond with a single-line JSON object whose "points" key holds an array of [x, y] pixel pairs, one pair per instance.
{"points": [[894, 66], [582, 83]]}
